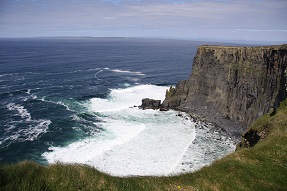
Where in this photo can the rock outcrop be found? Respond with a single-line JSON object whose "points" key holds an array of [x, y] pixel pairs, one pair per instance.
{"points": [[232, 86], [150, 104]]}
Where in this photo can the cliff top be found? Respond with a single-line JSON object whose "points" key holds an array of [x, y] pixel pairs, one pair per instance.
{"points": [[275, 47]]}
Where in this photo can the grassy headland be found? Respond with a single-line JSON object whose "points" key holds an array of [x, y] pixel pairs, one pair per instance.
{"points": [[262, 167]]}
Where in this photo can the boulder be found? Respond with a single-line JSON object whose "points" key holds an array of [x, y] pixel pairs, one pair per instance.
{"points": [[150, 104]]}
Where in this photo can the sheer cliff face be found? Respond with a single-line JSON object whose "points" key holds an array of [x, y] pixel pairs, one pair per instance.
{"points": [[236, 83]]}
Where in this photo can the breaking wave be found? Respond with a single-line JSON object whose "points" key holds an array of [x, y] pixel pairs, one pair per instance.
{"points": [[140, 142]]}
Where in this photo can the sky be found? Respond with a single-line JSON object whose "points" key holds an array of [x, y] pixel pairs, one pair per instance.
{"points": [[257, 20]]}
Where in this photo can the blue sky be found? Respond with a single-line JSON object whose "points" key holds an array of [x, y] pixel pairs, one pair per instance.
{"points": [[260, 20]]}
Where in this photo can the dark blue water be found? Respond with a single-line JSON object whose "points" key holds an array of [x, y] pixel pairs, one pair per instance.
{"points": [[45, 83]]}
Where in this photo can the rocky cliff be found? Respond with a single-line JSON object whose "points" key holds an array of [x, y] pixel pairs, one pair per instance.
{"points": [[232, 86]]}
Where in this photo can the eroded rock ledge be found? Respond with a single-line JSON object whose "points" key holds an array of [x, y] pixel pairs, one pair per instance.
{"points": [[232, 86]]}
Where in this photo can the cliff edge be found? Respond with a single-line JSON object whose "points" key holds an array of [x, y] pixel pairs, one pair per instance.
{"points": [[232, 86]]}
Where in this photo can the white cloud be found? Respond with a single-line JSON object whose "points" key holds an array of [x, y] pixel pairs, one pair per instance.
{"points": [[188, 18]]}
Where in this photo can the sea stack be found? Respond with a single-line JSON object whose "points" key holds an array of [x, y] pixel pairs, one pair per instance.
{"points": [[150, 104], [232, 86]]}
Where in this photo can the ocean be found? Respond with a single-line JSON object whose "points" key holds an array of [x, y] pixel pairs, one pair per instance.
{"points": [[73, 100]]}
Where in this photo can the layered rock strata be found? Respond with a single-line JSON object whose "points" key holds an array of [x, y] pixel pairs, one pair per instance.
{"points": [[232, 86]]}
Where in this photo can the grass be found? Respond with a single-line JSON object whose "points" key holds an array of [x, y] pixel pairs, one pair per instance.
{"points": [[262, 167]]}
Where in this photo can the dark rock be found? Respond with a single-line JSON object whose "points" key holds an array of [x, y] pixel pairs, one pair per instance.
{"points": [[232, 86], [163, 109], [251, 137], [150, 104]]}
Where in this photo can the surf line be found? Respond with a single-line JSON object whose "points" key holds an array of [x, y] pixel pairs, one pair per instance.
{"points": [[183, 152], [98, 73]]}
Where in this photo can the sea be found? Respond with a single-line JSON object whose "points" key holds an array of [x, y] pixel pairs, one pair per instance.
{"points": [[74, 100]]}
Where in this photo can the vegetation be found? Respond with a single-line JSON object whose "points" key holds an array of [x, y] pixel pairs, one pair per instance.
{"points": [[261, 167], [170, 92]]}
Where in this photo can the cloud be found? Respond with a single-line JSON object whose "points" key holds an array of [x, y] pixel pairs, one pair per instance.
{"points": [[259, 30], [189, 18]]}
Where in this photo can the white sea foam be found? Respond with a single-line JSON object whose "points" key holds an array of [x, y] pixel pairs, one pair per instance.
{"points": [[88, 150], [34, 130], [138, 142], [126, 85], [21, 111], [153, 151], [33, 127], [133, 79], [61, 103], [30, 132], [125, 98], [56, 102], [98, 73], [128, 72], [210, 144], [99, 70], [31, 96], [4, 75]]}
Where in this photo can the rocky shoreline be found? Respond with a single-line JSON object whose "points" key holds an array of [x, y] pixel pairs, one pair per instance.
{"points": [[209, 141], [233, 128], [230, 86], [206, 118]]}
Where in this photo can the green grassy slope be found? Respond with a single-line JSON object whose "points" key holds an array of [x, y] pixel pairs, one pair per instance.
{"points": [[262, 167]]}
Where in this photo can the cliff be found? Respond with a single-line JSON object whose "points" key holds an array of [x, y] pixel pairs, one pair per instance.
{"points": [[232, 86]]}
